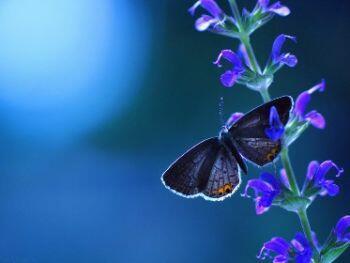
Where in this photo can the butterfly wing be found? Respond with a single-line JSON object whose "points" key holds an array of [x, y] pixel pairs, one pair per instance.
{"points": [[224, 177], [189, 174], [249, 136]]}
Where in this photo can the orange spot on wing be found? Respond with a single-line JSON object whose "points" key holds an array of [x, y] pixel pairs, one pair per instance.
{"points": [[227, 188]]}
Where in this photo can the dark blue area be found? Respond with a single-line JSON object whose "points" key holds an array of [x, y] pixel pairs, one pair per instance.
{"points": [[97, 196]]}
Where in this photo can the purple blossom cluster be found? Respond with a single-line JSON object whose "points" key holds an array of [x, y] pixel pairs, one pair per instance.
{"points": [[280, 190]]}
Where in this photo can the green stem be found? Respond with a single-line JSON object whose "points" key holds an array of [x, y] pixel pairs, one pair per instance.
{"points": [[289, 171], [236, 13], [245, 39], [265, 95], [304, 220]]}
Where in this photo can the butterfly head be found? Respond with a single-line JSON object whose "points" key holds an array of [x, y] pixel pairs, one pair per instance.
{"points": [[223, 132]]}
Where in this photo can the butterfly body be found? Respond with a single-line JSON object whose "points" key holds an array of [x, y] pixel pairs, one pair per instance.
{"points": [[211, 169]]}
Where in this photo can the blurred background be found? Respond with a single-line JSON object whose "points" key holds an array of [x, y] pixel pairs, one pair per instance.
{"points": [[97, 98]]}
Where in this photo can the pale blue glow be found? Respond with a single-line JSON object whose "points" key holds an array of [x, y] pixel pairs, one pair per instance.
{"points": [[65, 64]]}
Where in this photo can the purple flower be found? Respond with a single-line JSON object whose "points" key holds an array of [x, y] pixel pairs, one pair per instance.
{"points": [[233, 118], [342, 231], [205, 21], [230, 77], [315, 118], [280, 58], [276, 8], [316, 177], [276, 129], [266, 189], [298, 250]]}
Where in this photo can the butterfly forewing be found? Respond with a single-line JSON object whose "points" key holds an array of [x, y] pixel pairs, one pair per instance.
{"points": [[249, 136], [189, 174]]}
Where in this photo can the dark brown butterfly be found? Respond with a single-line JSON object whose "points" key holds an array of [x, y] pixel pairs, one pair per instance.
{"points": [[211, 168]]}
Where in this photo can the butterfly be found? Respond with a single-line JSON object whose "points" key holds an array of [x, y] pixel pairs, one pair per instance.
{"points": [[211, 169]]}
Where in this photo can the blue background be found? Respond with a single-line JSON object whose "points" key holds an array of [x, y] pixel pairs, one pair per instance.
{"points": [[97, 98]]}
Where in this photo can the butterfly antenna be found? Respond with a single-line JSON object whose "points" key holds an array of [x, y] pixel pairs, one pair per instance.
{"points": [[221, 111]]}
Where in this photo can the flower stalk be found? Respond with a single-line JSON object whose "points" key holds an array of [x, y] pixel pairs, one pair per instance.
{"points": [[245, 39], [289, 171], [269, 189], [236, 13], [305, 223]]}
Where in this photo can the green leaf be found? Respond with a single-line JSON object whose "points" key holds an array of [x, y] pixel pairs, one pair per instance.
{"points": [[332, 254], [295, 203]]}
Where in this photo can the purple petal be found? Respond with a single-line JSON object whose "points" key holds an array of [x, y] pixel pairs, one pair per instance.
{"points": [[284, 178], [301, 104], [302, 248], [193, 8], [265, 189], [273, 134], [229, 78], [278, 44], [331, 188], [324, 168], [259, 207], [277, 245], [280, 259], [230, 56], [270, 178], [289, 59], [304, 99], [276, 129], [316, 119], [264, 3], [204, 22], [312, 169], [305, 257], [234, 117], [341, 228], [300, 243], [212, 7], [279, 9], [209, 5], [259, 187], [318, 87]]}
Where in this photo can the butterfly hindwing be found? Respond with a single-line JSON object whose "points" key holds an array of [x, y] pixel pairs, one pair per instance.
{"points": [[189, 174], [249, 136], [260, 151], [224, 177]]}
